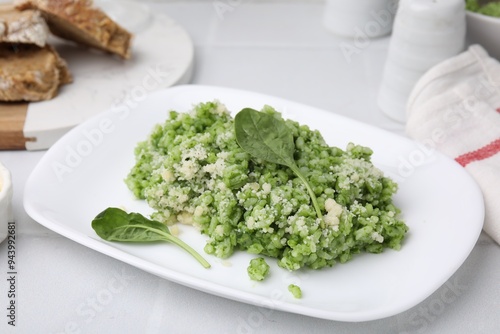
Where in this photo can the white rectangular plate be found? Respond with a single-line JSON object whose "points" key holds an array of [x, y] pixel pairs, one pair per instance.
{"points": [[82, 174]]}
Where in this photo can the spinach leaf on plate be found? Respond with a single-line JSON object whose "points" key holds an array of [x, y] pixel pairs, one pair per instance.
{"points": [[269, 138], [114, 224]]}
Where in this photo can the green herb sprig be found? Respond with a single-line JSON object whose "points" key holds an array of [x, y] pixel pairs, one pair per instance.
{"points": [[114, 224], [268, 138]]}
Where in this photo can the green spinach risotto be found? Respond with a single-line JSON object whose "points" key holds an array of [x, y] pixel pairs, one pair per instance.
{"points": [[192, 170]]}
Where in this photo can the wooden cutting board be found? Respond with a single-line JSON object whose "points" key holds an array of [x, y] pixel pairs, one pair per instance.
{"points": [[162, 56], [12, 119]]}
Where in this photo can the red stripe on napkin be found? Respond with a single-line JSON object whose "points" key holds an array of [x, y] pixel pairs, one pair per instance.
{"points": [[480, 154]]}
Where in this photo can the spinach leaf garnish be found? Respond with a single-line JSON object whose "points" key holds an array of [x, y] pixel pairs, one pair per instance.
{"points": [[114, 224], [268, 138]]}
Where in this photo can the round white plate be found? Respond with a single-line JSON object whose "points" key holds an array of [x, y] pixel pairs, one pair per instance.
{"points": [[162, 56], [82, 174]]}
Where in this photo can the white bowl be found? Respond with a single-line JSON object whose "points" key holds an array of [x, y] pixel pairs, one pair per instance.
{"points": [[485, 31], [5, 201]]}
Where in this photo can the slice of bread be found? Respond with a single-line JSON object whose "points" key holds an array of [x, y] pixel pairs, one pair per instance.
{"points": [[31, 73], [81, 22], [22, 27]]}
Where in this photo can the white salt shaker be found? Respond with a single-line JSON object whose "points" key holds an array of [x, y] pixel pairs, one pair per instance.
{"points": [[425, 32], [351, 18]]}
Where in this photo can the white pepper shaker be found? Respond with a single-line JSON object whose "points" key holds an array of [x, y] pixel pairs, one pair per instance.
{"points": [[350, 18], [425, 32]]}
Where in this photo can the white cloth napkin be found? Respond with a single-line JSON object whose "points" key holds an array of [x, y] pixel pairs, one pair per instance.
{"points": [[455, 107]]}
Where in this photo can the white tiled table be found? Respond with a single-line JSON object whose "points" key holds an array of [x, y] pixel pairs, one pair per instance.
{"points": [[275, 47]]}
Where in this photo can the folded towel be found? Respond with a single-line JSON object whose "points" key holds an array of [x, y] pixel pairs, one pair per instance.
{"points": [[455, 108]]}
